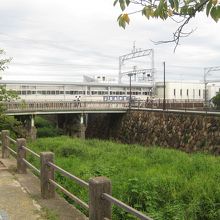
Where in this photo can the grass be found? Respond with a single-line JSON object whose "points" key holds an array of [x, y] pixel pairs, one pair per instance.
{"points": [[165, 184]]}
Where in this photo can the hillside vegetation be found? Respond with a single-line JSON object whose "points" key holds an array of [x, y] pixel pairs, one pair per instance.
{"points": [[163, 183]]}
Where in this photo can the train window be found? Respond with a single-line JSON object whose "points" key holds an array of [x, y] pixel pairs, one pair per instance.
{"points": [[33, 92], [81, 92], [29, 92], [88, 92], [61, 92], [19, 92], [52, 92], [57, 92], [44, 92], [23, 92]]}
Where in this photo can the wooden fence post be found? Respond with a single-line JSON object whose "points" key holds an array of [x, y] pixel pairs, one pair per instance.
{"points": [[98, 207], [5, 144], [47, 172], [21, 154]]}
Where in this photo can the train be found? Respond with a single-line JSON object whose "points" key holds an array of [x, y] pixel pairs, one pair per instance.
{"points": [[67, 91]]}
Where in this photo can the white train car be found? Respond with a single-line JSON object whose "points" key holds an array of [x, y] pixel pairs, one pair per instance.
{"points": [[57, 91]]}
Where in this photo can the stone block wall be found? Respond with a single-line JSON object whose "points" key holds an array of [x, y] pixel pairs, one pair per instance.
{"points": [[188, 132], [185, 131]]}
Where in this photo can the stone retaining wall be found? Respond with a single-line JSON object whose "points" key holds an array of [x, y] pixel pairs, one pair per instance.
{"points": [[188, 132]]}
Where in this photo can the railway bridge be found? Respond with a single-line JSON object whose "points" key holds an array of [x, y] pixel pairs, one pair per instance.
{"points": [[72, 116], [69, 113]]}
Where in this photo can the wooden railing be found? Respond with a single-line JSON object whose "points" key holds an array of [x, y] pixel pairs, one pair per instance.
{"points": [[99, 188]]}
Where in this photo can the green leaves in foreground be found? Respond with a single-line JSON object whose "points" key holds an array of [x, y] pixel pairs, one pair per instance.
{"points": [[123, 19], [123, 3], [164, 9]]}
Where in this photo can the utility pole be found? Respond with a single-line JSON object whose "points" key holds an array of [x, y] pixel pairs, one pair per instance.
{"points": [[130, 75], [164, 86]]}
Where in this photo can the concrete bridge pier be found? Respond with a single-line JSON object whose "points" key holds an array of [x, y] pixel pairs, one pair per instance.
{"points": [[29, 125], [73, 125], [83, 125], [31, 129]]}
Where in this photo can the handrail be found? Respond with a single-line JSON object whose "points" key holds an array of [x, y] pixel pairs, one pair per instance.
{"points": [[21, 159], [71, 176], [31, 166], [74, 198], [29, 150], [125, 207], [11, 139], [12, 151]]}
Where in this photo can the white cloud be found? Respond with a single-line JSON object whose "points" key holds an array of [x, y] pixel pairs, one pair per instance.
{"points": [[61, 40]]}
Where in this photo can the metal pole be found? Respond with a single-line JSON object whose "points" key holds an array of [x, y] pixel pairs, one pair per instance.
{"points": [[130, 91], [205, 86], [119, 74], [164, 86], [152, 73]]}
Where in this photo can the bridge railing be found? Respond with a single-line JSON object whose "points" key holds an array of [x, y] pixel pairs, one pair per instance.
{"points": [[169, 104], [99, 188], [33, 106], [19, 106]]}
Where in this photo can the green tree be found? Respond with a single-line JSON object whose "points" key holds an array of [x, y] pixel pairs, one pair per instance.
{"points": [[216, 101], [6, 122], [3, 60], [180, 11]]}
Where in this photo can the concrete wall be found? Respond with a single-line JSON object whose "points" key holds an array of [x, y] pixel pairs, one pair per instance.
{"points": [[188, 132], [182, 90]]}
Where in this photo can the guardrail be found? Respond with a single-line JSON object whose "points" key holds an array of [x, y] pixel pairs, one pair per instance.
{"points": [[99, 188]]}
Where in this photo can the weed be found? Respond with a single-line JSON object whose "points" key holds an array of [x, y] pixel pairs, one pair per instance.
{"points": [[165, 184]]}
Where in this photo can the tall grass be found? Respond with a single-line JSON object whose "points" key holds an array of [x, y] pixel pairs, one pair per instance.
{"points": [[163, 183]]}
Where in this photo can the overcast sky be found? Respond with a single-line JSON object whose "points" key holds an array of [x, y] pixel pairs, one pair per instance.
{"points": [[63, 40]]}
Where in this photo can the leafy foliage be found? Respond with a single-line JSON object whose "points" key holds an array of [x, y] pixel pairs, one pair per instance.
{"points": [[216, 101], [180, 11], [164, 9], [165, 184], [6, 122], [4, 61], [46, 128]]}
